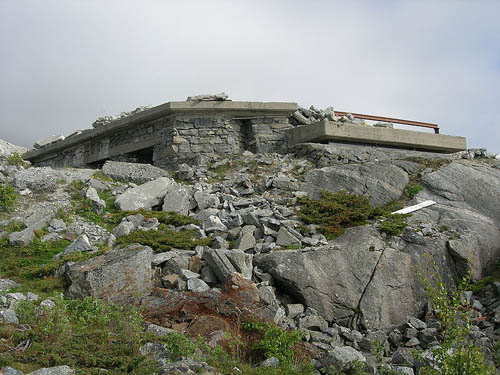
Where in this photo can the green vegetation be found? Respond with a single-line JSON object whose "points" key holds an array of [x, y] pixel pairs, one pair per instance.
{"points": [[393, 224], [164, 239], [456, 354], [273, 341], [84, 334], [15, 226], [433, 164], [412, 189], [337, 211], [8, 197], [16, 159], [164, 217], [34, 266], [101, 176]]}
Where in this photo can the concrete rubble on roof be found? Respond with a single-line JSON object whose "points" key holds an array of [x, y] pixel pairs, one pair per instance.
{"points": [[208, 97], [48, 140], [105, 120]]}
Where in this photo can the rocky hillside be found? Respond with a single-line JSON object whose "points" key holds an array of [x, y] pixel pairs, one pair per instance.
{"points": [[262, 264]]}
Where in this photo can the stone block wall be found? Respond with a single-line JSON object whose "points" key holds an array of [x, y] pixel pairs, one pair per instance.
{"points": [[178, 138]]}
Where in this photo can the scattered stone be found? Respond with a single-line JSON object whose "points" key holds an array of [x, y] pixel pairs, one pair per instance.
{"points": [[135, 172], [6, 285], [82, 243], [58, 370], [97, 203], [197, 285], [9, 316], [285, 238], [343, 358], [144, 196]]}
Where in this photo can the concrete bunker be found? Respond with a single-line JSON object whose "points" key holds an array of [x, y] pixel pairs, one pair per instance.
{"points": [[193, 131]]}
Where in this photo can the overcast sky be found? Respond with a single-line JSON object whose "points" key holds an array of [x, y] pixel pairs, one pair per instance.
{"points": [[66, 62]]}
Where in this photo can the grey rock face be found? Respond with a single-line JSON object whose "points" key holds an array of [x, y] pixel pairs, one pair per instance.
{"points": [[197, 285], [80, 244], [382, 181], [135, 172], [7, 148], [285, 238], [6, 285], [116, 276], [318, 278], [144, 196], [98, 204], [11, 371], [343, 357], [9, 316], [463, 191], [58, 370], [47, 179], [177, 199]]}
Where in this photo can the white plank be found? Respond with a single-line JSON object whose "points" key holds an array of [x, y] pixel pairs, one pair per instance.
{"points": [[416, 207]]}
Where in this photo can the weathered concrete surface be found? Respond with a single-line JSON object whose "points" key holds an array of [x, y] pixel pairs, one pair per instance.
{"points": [[338, 131]]}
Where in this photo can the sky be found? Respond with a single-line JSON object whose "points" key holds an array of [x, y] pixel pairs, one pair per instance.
{"points": [[64, 63]]}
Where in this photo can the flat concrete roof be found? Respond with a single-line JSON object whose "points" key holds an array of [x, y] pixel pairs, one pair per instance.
{"points": [[242, 109], [346, 132]]}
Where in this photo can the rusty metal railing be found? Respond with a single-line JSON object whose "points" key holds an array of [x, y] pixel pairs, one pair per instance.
{"points": [[390, 119]]}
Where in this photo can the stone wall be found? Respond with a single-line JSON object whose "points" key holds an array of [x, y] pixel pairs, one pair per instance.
{"points": [[179, 138]]}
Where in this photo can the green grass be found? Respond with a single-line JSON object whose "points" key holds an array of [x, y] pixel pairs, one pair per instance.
{"points": [[8, 197], [87, 335], [34, 266], [164, 239]]}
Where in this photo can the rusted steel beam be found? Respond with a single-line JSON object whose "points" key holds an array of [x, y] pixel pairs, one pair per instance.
{"points": [[390, 119]]}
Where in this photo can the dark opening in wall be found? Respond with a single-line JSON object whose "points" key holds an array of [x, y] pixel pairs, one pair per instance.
{"points": [[144, 156]]}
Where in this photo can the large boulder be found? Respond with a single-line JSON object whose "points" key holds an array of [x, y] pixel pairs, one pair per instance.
{"points": [[48, 179], [359, 278], [331, 279], [465, 193], [178, 199], [58, 370], [381, 181], [116, 276], [145, 196], [135, 172]]}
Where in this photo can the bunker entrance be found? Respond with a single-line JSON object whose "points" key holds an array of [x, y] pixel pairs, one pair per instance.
{"points": [[144, 156]]}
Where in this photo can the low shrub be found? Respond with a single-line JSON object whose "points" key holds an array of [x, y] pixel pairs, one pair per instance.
{"points": [[164, 239], [8, 197], [456, 354], [336, 211], [273, 341], [16, 159], [393, 224], [84, 334]]}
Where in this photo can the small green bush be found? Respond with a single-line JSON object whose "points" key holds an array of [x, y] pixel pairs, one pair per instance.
{"points": [[164, 239], [456, 354], [16, 159], [393, 224], [274, 341], [336, 211], [8, 197], [412, 189]]}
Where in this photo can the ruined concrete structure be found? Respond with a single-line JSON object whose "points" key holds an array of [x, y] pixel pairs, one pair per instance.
{"points": [[193, 131]]}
